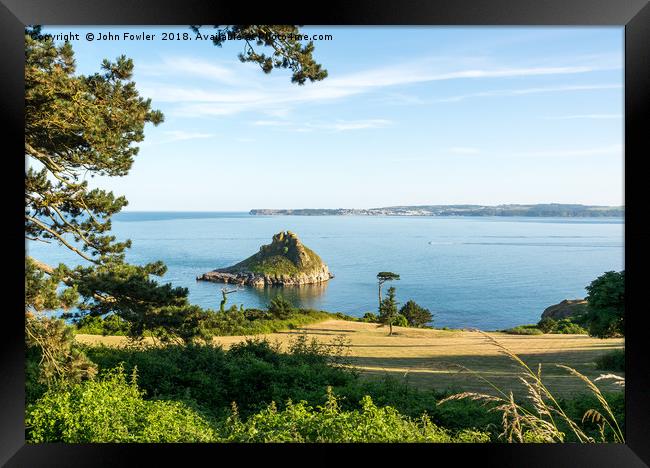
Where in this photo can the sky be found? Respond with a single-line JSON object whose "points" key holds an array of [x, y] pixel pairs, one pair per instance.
{"points": [[407, 116]]}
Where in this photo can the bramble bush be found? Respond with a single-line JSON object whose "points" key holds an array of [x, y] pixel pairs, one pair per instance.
{"points": [[111, 409], [252, 373], [301, 422]]}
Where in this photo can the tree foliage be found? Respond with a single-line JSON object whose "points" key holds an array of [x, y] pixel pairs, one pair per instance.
{"points": [[382, 277], [81, 126], [388, 310], [606, 305], [280, 307], [283, 41], [416, 315]]}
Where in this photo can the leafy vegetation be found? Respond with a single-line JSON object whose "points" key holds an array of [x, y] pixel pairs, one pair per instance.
{"points": [[612, 361], [416, 315], [388, 314], [280, 315], [112, 409], [80, 126], [301, 422], [530, 329], [204, 381], [606, 305], [253, 373], [382, 277]]}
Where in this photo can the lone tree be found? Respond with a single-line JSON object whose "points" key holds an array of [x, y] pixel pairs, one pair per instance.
{"points": [[606, 305], [384, 276], [79, 126], [416, 315], [388, 310]]}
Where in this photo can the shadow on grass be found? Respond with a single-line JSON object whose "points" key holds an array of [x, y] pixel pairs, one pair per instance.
{"points": [[445, 372]]}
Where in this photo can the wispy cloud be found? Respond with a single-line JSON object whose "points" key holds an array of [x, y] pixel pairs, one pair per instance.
{"points": [[586, 116], [335, 126], [192, 67], [549, 153], [245, 91], [180, 135], [524, 91], [611, 149]]}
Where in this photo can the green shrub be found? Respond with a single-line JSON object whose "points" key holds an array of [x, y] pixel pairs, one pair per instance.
{"points": [[400, 321], [612, 361], [524, 330], [416, 315], [109, 325], [281, 308], [568, 327], [252, 373], [370, 318], [111, 409], [328, 423], [547, 324]]}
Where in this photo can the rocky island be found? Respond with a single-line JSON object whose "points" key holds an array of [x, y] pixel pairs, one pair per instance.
{"points": [[283, 262]]}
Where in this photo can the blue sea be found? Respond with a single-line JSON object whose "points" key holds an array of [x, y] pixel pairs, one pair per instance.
{"points": [[484, 272]]}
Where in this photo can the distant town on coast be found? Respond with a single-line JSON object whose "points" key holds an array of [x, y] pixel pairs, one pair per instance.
{"points": [[539, 210]]}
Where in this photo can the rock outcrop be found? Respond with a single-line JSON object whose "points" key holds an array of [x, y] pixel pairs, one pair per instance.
{"points": [[283, 262], [565, 309]]}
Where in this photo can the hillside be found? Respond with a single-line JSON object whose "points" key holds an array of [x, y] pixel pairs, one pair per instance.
{"points": [[285, 261]]}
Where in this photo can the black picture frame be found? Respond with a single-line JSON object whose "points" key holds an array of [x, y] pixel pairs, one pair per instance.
{"points": [[634, 15]]}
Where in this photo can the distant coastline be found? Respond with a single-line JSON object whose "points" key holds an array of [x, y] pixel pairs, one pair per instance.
{"points": [[540, 210]]}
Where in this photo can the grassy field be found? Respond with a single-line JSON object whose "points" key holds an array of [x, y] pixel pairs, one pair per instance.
{"points": [[430, 358]]}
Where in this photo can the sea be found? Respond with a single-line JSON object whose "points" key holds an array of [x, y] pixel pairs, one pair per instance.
{"points": [[470, 272]]}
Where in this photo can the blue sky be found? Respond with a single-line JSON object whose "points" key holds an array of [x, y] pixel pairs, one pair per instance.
{"points": [[407, 116]]}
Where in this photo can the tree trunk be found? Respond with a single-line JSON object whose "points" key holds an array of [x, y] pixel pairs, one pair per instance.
{"points": [[390, 328], [380, 295]]}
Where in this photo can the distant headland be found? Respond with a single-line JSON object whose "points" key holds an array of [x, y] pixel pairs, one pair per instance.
{"points": [[550, 210], [285, 261]]}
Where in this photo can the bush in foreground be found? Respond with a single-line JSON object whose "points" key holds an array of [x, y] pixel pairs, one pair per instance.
{"points": [[252, 373], [112, 409], [328, 423]]}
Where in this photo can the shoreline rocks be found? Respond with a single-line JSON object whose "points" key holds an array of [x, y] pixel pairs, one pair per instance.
{"points": [[262, 280], [283, 262]]}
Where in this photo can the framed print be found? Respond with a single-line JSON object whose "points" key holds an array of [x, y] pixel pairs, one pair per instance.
{"points": [[365, 227]]}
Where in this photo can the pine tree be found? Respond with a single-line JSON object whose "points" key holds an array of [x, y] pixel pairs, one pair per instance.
{"points": [[388, 310], [79, 126]]}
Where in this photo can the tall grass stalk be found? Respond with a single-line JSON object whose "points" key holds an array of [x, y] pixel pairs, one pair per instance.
{"points": [[521, 424]]}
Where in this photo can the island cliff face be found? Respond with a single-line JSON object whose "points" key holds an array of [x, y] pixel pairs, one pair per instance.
{"points": [[566, 309], [283, 262]]}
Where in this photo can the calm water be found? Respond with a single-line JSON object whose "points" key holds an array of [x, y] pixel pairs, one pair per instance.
{"points": [[480, 272]]}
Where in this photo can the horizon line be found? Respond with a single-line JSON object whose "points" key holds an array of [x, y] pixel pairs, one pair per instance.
{"points": [[373, 208]]}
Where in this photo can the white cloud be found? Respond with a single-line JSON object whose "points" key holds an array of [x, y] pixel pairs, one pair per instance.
{"points": [[611, 149], [587, 116], [519, 92], [335, 126], [180, 135], [189, 66], [246, 90]]}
